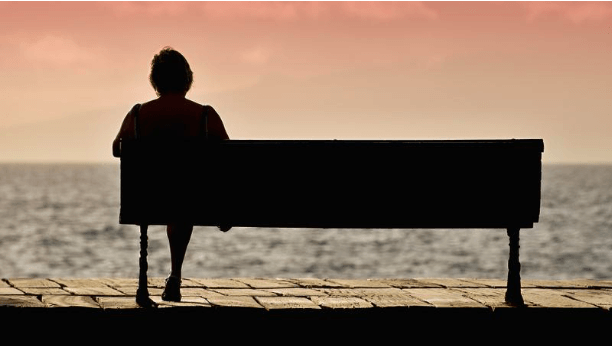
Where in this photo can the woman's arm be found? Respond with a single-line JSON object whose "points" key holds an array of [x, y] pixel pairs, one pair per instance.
{"points": [[216, 129], [126, 131]]}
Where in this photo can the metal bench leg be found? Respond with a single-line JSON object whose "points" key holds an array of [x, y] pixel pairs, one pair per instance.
{"points": [[513, 288], [142, 294]]}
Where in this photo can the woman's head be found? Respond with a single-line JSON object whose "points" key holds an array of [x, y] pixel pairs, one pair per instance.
{"points": [[170, 72]]}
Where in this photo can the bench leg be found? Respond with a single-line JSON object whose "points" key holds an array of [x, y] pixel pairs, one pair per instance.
{"points": [[142, 294], [513, 288]]}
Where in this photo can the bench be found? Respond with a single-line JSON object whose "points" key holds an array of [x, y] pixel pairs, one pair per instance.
{"points": [[452, 184]]}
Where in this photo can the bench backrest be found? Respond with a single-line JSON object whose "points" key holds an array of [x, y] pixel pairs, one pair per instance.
{"points": [[332, 184]]}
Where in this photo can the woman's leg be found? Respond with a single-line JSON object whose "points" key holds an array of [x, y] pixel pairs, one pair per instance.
{"points": [[178, 237]]}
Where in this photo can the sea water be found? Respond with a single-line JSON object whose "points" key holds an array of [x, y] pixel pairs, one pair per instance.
{"points": [[61, 220]]}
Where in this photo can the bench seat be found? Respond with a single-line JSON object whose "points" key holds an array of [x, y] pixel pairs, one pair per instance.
{"points": [[357, 184]]}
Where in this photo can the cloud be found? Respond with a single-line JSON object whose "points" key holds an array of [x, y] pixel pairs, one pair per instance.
{"points": [[259, 10], [256, 56], [576, 12], [387, 10], [285, 11], [435, 61], [56, 50], [151, 8], [277, 10]]}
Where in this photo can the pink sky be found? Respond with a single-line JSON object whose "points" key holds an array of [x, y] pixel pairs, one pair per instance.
{"points": [[70, 71]]}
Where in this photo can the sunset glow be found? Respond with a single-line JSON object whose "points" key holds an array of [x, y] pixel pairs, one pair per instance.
{"points": [[70, 71]]}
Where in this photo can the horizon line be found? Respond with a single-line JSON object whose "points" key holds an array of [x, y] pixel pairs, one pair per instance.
{"points": [[118, 161]]}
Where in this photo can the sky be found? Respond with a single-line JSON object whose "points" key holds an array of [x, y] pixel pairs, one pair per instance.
{"points": [[70, 71]]}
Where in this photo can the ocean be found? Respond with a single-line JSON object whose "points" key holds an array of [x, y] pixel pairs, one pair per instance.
{"points": [[61, 220]]}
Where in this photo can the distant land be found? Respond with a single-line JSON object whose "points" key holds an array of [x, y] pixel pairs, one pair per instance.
{"points": [[85, 138]]}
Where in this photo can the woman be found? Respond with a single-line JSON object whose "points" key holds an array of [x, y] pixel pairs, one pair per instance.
{"points": [[171, 115]]}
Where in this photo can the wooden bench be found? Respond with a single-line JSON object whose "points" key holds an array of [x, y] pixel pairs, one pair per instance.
{"points": [[334, 184]]}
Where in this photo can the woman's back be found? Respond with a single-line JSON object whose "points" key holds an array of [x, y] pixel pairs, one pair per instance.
{"points": [[170, 116]]}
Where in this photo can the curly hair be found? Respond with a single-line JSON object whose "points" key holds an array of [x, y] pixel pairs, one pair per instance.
{"points": [[170, 72]]}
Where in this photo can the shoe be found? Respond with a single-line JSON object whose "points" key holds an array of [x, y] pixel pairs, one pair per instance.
{"points": [[224, 228], [143, 300], [172, 292]]}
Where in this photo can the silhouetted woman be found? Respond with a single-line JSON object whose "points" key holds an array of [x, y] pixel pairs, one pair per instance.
{"points": [[171, 115]]}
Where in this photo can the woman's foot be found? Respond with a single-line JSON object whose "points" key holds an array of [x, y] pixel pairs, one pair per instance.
{"points": [[224, 228], [172, 292], [145, 301]]}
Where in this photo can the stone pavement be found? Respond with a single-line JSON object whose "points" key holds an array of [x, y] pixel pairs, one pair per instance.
{"points": [[307, 311]]}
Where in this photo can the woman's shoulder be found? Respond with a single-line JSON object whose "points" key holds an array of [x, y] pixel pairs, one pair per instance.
{"points": [[209, 109], [193, 103], [186, 105]]}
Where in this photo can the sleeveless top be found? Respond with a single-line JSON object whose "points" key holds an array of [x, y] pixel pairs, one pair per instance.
{"points": [[203, 121]]}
